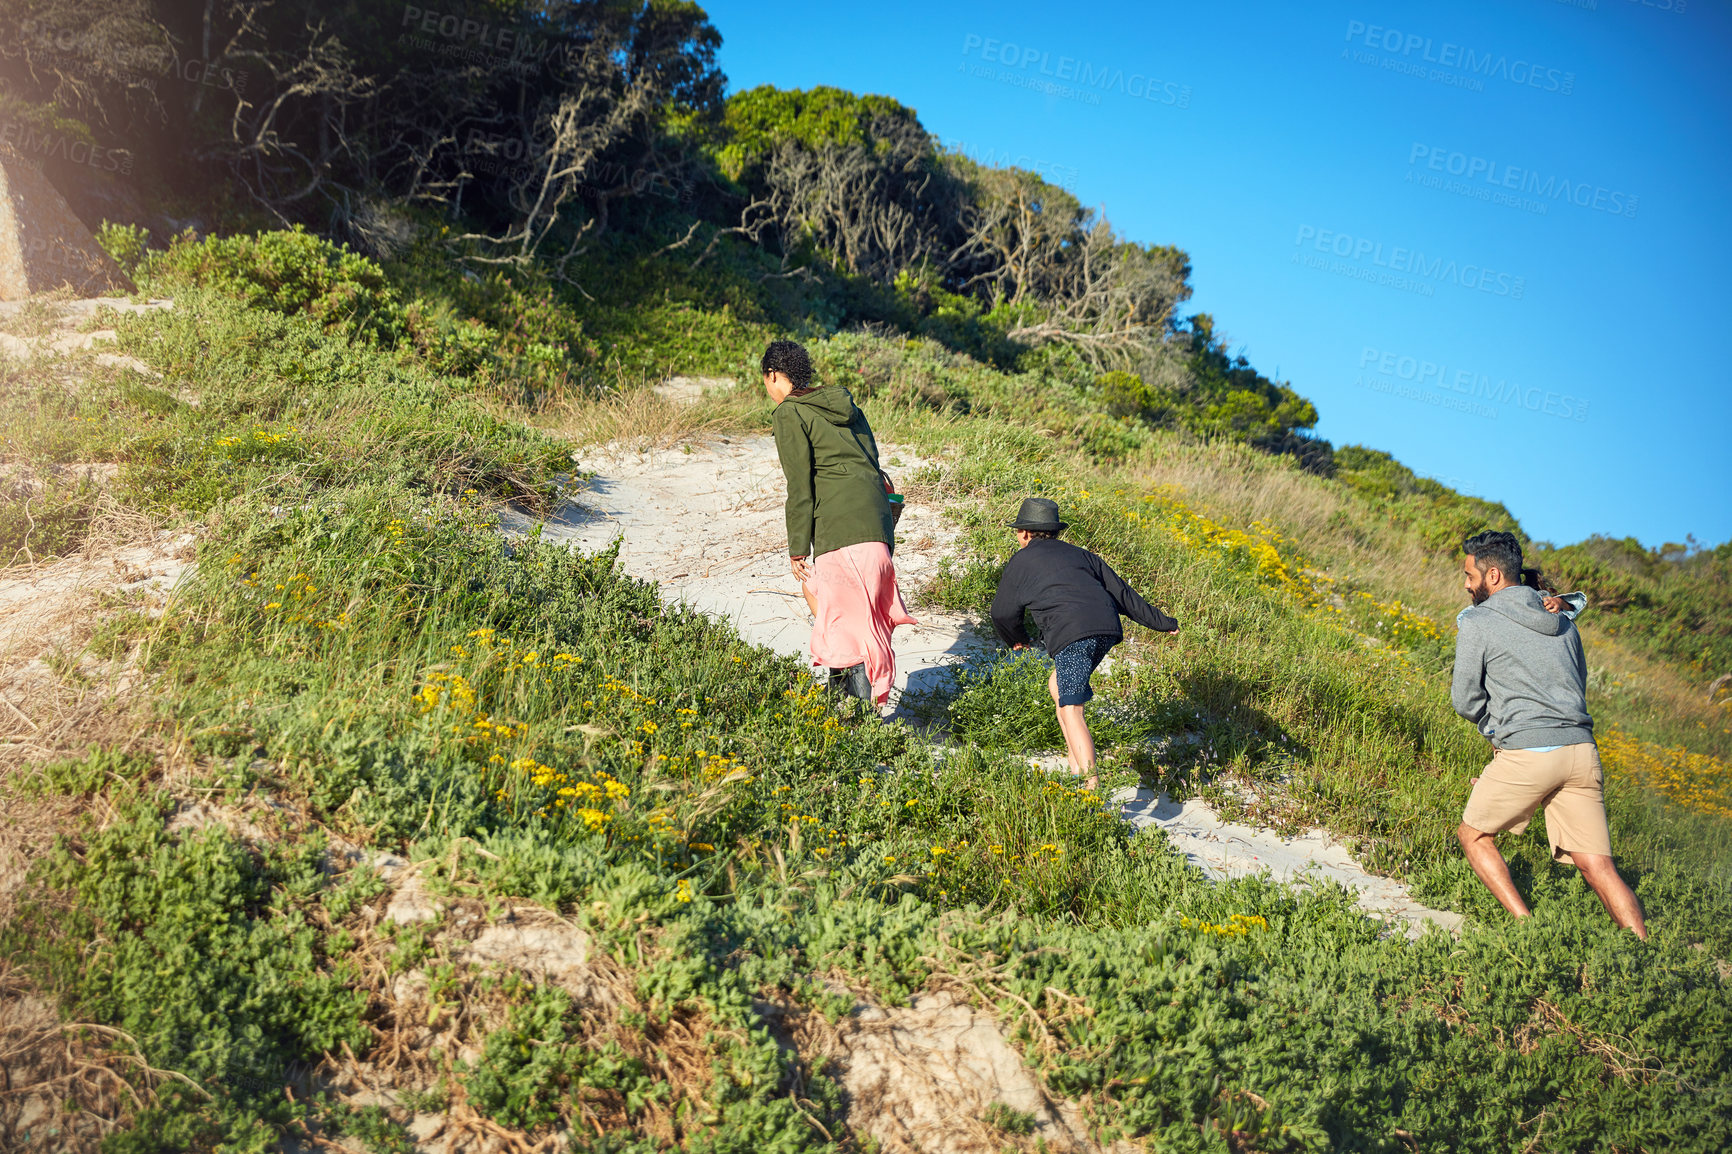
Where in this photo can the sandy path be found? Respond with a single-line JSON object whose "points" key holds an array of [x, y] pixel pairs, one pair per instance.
{"points": [[703, 520], [1223, 849]]}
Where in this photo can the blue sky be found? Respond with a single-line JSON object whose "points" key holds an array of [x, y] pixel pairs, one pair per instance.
{"points": [[1490, 238]]}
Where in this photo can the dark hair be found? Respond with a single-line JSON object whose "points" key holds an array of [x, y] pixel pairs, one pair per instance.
{"points": [[1049, 534], [789, 358], [1534, 579], [1493, 547]]}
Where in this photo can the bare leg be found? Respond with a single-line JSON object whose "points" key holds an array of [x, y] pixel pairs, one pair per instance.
{"points": [[1599, 872], [1488, 864], [1079, 743], [1052, 691], [811, 601]]}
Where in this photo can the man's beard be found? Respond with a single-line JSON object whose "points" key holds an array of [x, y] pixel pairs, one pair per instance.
{"points": [[1479, 592]]}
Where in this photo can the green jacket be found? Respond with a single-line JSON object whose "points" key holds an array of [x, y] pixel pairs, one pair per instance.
{"points": [[835, 494]]}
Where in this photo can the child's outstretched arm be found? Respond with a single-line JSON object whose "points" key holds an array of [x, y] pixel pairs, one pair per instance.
{"points": [[1569, 604], [1132, 605]]}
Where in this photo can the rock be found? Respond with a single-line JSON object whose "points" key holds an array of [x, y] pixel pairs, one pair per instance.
{"points": [[923, 1078], [43, 245], [412, 903], [192, 816], [555, 952]]}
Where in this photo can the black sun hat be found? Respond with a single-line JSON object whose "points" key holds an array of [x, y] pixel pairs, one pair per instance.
{"points": [[1040, 515]]}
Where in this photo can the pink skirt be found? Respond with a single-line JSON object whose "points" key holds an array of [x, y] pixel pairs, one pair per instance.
{"points": [[859, 606]]}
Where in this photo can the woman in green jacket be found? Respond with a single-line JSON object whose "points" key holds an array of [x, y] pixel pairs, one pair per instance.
{"points": [[840, 526]]}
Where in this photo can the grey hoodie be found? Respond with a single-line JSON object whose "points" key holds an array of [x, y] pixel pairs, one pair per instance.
{"points": [[1520, 674]]}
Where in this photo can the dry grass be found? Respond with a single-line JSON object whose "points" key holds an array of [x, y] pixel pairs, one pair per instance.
{"points": [[63, 1086], [1239, 485], [36, 316], [641, 419], [50, 683], [1652, 690]]}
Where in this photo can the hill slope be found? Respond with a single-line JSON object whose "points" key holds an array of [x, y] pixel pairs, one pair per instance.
{"points": [[380, 832], [540, 747]]}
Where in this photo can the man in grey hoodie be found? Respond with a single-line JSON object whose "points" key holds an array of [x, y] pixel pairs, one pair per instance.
{"points": [[1520, 676]]}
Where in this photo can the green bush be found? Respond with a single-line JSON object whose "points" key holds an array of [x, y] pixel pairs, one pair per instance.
{"points": [[126, 243], [287, 271], [97, 770], [1005, 705], [202, 951], [1674, 602], [512, 333]]}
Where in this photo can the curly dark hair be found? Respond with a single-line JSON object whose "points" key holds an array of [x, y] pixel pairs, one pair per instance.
{"points": [[790, 359], [1494, 547]]}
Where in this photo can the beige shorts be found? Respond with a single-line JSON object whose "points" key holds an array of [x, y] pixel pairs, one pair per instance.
{"points": [[1566, 781]]}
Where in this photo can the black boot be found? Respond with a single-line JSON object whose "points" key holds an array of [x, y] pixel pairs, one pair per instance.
{"points": [[852, 681]]}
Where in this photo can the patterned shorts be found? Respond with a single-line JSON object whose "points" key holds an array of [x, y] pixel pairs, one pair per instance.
{"points": [[1076, 664]]}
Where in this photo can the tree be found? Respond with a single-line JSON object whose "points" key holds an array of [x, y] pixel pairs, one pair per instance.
{"points": [[1015, 233], [529, 119], [854, 177], [1111, 300]]}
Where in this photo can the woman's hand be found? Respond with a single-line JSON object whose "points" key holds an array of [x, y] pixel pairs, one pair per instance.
{"points": [[802, 569]]}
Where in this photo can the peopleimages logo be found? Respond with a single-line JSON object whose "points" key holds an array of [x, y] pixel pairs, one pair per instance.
{"points": [[477, 41], [141, 64], [1063, 175], [1405, 268], [1506, 184], [1070, 74], [1471, 386], [1662, 5], [47, 144], [1465, 64]]}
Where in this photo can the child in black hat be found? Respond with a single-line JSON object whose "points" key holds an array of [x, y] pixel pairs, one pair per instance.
{"points": [[1076, 599]]}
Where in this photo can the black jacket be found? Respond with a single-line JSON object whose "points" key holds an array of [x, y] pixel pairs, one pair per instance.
{"points": [[1072, 593]]}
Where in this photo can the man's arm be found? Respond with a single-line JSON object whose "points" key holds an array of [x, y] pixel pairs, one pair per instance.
{"points": [[1007, 606], [1130, 603], [1467, 687], [794, 448]]}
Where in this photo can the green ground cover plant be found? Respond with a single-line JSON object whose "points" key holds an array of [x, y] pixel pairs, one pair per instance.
{"points": [[800, 880], [360, 649]]}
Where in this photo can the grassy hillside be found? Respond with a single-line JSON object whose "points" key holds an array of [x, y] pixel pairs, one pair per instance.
{"points": [[360, 665]]}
